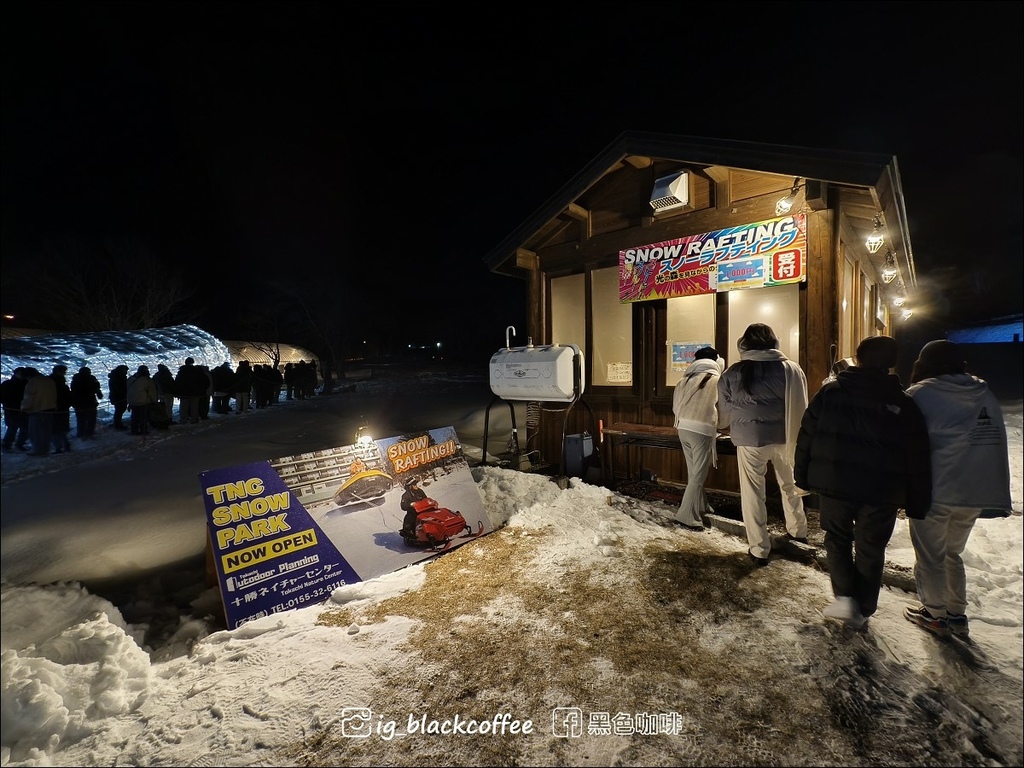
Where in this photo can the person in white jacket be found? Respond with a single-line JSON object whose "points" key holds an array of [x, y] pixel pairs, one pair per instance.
{"points": [[970, 474], [695, 405]]}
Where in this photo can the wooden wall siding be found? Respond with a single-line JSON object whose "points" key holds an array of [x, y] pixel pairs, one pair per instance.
{"points": [[604, 249], [563, 229], [820, 315], [745, 184], [615, 202]]}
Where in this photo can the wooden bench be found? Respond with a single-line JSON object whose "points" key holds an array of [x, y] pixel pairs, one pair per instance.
{"points": [[627, 433]]}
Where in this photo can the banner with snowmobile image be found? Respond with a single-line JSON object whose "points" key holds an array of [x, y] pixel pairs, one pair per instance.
{"points": [[284, 533]]}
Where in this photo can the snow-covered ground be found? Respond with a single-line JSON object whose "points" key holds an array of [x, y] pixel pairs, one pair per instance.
{"points": [[584, 631]]}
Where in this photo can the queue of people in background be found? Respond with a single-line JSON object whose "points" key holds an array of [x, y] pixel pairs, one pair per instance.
{"points": [[199, 391], [300, 380], [266, 385], [12, 390], [37, 411]]}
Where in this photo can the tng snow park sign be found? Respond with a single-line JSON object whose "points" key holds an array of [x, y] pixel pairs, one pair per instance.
{"points": [[285, 533]]}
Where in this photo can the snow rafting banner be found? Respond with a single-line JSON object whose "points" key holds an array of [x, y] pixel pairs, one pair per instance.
{"points": [[764, 253], [286, 532]]}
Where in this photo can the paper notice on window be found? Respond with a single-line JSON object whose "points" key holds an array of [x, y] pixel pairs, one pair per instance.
{"points": [[620, 373]]}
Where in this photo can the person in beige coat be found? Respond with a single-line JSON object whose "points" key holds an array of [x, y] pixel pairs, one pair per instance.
{"points": [[695, 405], [40, 403], [142, 397]]}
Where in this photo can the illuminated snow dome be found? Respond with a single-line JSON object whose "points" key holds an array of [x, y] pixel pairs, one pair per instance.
{"points": [[105, 350]]}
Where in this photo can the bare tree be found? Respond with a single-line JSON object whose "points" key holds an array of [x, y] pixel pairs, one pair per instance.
{"points": [[323, 318], [262, 331], [115, 285]]}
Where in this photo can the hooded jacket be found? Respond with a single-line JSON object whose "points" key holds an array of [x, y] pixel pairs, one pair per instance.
{"points": [[863, 439], [970, 462], [695, 397]]}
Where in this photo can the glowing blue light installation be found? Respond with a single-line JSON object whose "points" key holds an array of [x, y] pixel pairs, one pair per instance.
{"points": [[105, 350]]}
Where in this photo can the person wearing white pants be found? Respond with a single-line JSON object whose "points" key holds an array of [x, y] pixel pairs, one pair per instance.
{"points": [[694, 404], [761, 399], [752, 462], [939, 542]]}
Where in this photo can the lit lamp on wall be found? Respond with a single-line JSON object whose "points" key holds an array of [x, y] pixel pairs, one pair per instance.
{"points": [[900, 299], [876, 239], [889, 271], [785, 204]]}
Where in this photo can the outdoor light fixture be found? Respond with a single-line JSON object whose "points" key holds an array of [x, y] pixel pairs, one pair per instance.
{"points": [[785, 204], [877, 238], [900, 299], [889, 271], [363, 436]]}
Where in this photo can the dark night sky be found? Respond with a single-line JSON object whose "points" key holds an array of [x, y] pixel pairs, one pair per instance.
{"points": [[386, 151]]}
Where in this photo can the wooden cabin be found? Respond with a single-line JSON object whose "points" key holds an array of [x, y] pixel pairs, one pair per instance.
{"points": [[663, 244]]}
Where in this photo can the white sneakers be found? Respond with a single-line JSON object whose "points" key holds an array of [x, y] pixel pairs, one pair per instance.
{"points": [[846, 610]]}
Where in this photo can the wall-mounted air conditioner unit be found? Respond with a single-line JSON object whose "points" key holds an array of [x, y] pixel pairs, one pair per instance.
{"points": [[671, 192]]}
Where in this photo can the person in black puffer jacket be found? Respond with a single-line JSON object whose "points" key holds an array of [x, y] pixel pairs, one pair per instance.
{"points": [[863, 448]]}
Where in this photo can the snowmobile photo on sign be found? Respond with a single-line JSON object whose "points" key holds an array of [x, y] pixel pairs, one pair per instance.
{"points": [[435, 526]]}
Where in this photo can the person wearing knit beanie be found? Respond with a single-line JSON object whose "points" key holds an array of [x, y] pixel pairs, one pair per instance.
{"points": [[938, 358], [877, 353]]}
